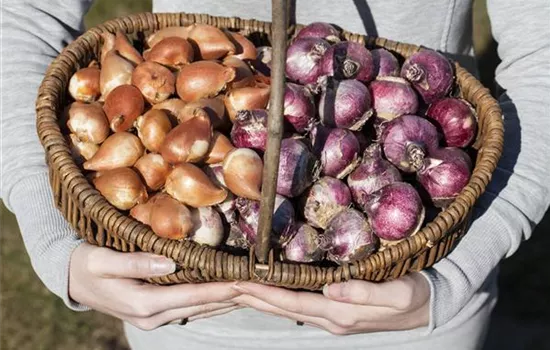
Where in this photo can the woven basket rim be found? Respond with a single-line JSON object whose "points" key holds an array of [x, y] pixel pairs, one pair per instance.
{"points": [[489, 144]]}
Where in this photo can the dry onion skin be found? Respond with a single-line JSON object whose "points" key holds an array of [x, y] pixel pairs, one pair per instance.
{"points": [[203, 79]]}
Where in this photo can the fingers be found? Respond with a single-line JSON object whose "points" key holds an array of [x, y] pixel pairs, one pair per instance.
{"points": [[303, 303], [403, 293], [261, 305], [215, 313], [176, 315], [104, 262], [155, 299]]}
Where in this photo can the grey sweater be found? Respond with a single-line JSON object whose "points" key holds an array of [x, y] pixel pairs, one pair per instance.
{"points": [[34, 32]]}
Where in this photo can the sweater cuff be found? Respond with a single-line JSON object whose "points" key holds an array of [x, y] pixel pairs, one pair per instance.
{"points": [[457, 278], [49, 239]]}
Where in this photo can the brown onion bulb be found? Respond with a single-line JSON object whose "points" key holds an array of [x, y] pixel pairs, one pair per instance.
{"points": [[122, 107], [88, 122], [155, 81], [170, 218], [122, 187], [219, 147], [244, 76], [189, 141], [242, 173], [107, 45], [244, 48], [159, 35], [210, 42], [152, 128], [173, 52], [84, 84], [115, 71], [153, 169], [125, 48], [174, 108], [246, 98], [203, 79], [121, 149], [190, 185], [81, 151], [142, 212], [213, 106]]}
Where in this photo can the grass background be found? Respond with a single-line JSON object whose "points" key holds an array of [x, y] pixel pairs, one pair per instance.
{"points": [[33, 318]]}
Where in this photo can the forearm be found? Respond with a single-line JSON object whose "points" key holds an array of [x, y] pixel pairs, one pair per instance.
{"points": [[518, 195], [34, 32]]}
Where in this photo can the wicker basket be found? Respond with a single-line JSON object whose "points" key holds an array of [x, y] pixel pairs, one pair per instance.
{"points": [[101, 224]]}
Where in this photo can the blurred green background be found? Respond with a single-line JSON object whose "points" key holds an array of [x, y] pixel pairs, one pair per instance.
{"points": [[33, 318]]}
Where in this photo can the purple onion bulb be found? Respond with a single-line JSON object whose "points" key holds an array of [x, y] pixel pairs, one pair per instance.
{"points": [[338, 150], [349, 237], [298, 168], [395, 211], [320, 30], [250, 129], [406, 141], [393, 97], [348, 60], [304, 246], [283, 219], [303, 58], [326, 198], [385, 63], [430, 73], [444, 174], [228, 209], [373, 173], [299, 107], [345, 104], [456, 119]]}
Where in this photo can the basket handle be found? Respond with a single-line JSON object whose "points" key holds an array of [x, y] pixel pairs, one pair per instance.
{"points": [[279, 13]]}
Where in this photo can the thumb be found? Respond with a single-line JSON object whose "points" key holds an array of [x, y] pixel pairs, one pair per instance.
{"points": [[109, 263]]}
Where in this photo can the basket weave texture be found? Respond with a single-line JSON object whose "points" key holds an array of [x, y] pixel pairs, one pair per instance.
{"points": [[99, 223]]}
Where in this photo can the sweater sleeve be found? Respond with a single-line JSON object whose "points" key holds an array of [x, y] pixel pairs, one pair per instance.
{"points": [[33, 34], [519, 193]]}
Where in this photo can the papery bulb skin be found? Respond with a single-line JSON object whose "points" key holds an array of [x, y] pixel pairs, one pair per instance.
{"points": [[385, 63], [349, 237], [407, 140], [324, 199], [395, 211], [344, 104], [456, 119], [392, 97], [303, 59], [250, 129], [304, 246], [444, 174], [298, 168], [299, 107], [430, 73], [321, 30], [348, 60], [84, 84], [371, 175], [121, 149], [122, 187]]}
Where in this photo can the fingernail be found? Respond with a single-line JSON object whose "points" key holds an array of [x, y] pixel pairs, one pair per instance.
{"points": [[162, 265], [238, 287], [334, 291]]}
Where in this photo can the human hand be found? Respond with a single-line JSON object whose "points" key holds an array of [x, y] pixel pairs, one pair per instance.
{"points": [[108, 281], [347, 308]]}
